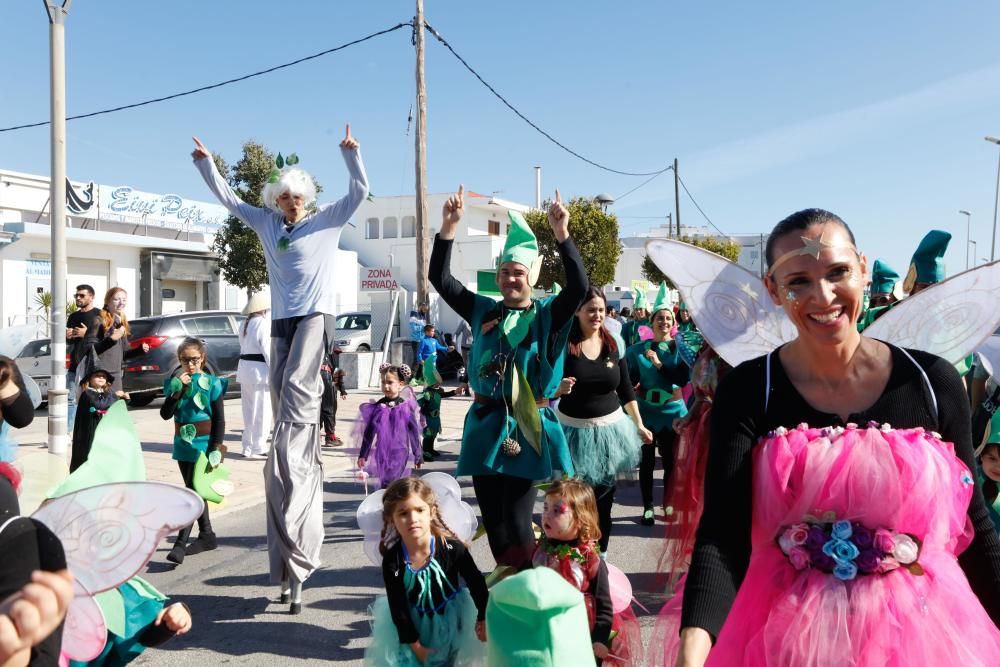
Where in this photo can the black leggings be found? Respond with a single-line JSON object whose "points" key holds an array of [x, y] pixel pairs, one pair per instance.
{"points": [[664, 442], [506, 504], [204, 522], [605, 495], [328, 404]]}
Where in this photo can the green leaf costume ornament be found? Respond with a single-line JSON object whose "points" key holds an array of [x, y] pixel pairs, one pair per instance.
{"points": [[188, 433], [212, 484], [525, 409], [516, 324]]}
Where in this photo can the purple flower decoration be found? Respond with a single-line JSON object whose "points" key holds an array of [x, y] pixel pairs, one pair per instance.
{"points": [[863, 536], [868, 561], [817, 538], [823, 562]]}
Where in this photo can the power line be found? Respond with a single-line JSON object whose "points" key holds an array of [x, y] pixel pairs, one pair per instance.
{"points": [[691, 197], [648, 180], [221, 83], [529, 122]]}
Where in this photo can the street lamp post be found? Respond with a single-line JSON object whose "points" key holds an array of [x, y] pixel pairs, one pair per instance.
{"points": [[968, 235], [973, 244], [996, 200]]}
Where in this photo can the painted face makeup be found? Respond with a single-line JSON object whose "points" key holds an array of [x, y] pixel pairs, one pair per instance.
{"points": [[558, 520]]}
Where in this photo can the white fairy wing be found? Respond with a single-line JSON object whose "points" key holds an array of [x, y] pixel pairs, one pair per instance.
{"points": [[109, 532], [84, 632], [949, 319], [729, 304]]}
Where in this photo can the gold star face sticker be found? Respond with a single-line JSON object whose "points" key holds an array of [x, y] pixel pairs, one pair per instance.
{"points": [[749, 291], [815, 246]]}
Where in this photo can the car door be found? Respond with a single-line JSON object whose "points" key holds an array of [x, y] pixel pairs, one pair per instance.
{"points": [[219, 335]]}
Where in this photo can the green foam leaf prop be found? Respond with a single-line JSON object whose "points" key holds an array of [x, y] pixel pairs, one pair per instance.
{"points": [[199, 400], [175, 385], [215, 458], [204, 382], [525, 409], [188, 433], [280, 161], [292, 159], [206, 479], [273, 176]]}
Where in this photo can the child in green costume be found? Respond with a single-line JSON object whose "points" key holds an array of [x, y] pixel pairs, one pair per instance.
{"points": [[194, 401], [989, 469], [429, 401]]}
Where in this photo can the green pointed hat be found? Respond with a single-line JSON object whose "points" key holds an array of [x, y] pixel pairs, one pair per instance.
{"points": [[992, 435], [927, 263], [663, 301], [640, 299], [115, 456], [884, 278], [522, 246]]}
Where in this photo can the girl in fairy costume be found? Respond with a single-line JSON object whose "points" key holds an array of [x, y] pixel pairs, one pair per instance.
{"points": [[427, 617], [194, 400], [659, 373], [511, 436], [569, 546], [391, 426]]}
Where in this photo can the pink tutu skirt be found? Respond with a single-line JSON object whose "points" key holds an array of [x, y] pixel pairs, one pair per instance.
{"points": [[884, 591]]}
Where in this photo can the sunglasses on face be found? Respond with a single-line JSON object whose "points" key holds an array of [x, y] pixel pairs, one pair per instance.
{"points": [[80, 296]]}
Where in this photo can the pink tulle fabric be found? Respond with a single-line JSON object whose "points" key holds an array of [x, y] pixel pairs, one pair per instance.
{"points": [[905, 480]]}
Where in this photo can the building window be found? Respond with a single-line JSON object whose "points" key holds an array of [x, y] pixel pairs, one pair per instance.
{"points": [[409, 229], [371, 228], [389, 228], [494, 228]]}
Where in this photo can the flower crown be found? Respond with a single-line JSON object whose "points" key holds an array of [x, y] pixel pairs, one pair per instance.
{"points": [[404, 371], [280, 163]]}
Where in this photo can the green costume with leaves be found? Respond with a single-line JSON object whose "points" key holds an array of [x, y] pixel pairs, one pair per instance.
{"points": [[630, 330], [194, 405]]}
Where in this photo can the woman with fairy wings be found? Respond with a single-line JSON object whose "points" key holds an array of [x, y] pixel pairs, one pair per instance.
{"points": [[512, 437], [297, 244], [743, 318]]}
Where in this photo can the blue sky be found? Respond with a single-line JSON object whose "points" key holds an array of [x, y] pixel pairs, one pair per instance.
{"points": [[876, 111]]}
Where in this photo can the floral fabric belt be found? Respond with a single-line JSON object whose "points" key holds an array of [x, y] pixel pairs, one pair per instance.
{"points": [[846, 549]]}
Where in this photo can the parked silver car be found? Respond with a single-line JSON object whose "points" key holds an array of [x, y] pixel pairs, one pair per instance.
{"points": [[354, 332]]}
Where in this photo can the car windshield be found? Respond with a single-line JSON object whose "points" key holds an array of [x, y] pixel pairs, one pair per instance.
{"points": [[35, 348], [352, 322]]}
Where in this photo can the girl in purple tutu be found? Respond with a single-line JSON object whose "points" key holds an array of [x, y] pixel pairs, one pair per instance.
{"points": [[392, 426]]}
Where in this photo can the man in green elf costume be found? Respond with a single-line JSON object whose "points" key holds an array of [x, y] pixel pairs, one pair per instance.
{"points": [[886, 290], [512, 437], [640, 318], [655, 366]]}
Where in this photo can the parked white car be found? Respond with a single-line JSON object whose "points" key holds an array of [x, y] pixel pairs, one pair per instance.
{"points": [[35, 361], [354, 332]]}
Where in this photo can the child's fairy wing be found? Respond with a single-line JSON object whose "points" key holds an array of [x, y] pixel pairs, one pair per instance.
{"points": [[84, 631], [729, 304], [369, 517], [110, 531], [950, 319]]}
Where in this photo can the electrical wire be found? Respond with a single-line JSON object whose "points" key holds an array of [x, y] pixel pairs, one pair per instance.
{"points": [[219, 84], [529, 122], [691, 197], [648, 180]]}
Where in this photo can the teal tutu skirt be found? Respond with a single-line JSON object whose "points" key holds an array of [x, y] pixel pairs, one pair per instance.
{"points": [[451, 634], [602, 447]]}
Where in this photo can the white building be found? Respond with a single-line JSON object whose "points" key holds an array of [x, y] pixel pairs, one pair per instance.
{"points": [[157, 247], [385, 236]]}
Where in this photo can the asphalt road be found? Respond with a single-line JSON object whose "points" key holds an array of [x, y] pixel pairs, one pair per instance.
{"points": [[237, 619]]}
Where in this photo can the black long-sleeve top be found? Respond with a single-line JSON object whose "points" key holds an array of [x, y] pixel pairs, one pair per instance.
{"points": [[86, 423], [602, 385], [462, 300], [218, 418], [454, 559], [16, 410], [738, 421], [114, 353]]}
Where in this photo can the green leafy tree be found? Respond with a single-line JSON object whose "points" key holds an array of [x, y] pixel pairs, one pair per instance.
{"points": [[241, 257], [595, 233], [723, 247]]}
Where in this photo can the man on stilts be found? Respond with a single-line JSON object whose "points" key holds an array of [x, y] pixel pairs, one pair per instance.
{"points": [[299, 245], [512, 437]]}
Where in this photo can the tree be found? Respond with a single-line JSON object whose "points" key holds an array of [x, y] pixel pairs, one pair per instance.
{"points": [[241, 257], [595, 233], [723, 247]]}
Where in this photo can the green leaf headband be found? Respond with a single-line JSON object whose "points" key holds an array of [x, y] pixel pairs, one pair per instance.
{"points": [[280, 163]]}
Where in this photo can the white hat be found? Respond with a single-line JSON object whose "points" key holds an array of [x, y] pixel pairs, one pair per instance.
{"points": [[259, 301]]}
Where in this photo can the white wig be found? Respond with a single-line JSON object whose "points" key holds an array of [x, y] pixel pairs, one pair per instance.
{"points": [[294, 181]]}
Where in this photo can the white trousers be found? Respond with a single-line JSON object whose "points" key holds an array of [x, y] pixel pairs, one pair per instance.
{"points": [[256, 401]]}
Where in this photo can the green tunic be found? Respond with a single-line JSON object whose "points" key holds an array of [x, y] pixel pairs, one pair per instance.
{"points": [[656, 386], [630, 331], [195, 405], [539, 359]]}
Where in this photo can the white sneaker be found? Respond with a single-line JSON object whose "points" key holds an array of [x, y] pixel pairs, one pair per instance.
{"points": [[255, 457]]}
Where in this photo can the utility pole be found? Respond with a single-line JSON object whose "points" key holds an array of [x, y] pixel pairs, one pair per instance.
{"points": [[423, 288], [670, 225], [677, 199], [57, 12]]}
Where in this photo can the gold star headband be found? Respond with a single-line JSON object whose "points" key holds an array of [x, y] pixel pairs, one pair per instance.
{"points": [[810, 246]]}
